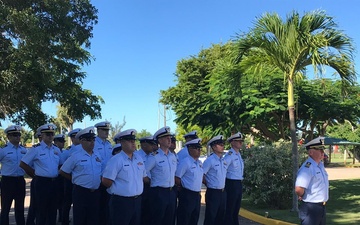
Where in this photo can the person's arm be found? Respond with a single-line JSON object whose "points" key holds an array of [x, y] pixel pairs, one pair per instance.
{"points": [[106, 182], [66, 175], [300, 191], [28, 170]]}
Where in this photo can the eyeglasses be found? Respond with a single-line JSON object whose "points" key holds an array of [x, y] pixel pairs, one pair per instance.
{"points": [[15, 134], [49, 134]]}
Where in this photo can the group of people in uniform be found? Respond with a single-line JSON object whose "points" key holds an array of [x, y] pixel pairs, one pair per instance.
{"points": [[120, 185]]}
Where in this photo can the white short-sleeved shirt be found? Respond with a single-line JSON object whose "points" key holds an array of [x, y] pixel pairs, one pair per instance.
{"points": [[215, 168], [235, 170], [44, 159], [183, 153], [191, 173], [10, 157], [161, 169], [314, 179], [104, 148], [84, 168], [127, 174]]}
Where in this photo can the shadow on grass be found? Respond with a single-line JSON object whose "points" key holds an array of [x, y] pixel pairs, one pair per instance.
{"points": [[342, 208]]}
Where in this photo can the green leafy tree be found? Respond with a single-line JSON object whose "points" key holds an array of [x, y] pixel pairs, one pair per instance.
{"points": [[43, 47], [289, 46]]}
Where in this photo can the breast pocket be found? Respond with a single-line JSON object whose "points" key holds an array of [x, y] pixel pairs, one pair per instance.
{"points": [[162, 166], [85, 167], [124, 173], [43, 156]]}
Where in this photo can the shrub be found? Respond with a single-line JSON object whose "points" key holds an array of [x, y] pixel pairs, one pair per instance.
{"points": [[268, 175]]}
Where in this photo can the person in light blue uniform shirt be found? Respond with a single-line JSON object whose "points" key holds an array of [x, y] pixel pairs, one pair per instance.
{"points": [[234, 177], [124, 176], [184, 153], [68, 186], [45, 159], [161, 167], [12, 181], [59, 141], [148, 145], [189, 176], [84, 169], [215, 168], [312, 185], [104, 147]]}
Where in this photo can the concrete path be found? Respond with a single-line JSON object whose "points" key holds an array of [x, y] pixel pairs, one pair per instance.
{"points": [[334, 174]]}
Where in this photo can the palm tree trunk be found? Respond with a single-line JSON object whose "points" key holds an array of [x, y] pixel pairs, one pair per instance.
{"points": [[295, 155]]}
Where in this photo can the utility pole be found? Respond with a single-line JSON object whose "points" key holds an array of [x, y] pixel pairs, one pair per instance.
{"points": [[164, 115]]}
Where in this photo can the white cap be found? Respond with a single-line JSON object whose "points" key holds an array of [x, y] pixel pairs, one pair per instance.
{"points": [[237, 136], [13, 129], [85, 133], [215, 140], [162, 132]]}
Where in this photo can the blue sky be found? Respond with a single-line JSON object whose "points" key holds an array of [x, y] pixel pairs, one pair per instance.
{"points": [[137, 44]]}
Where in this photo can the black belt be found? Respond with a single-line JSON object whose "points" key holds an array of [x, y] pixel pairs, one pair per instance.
{"points": [[213, 189], [165, 188], [84, 188], [11, 177], [191, 191], [46, 178], [316, 203], [134, 197]]}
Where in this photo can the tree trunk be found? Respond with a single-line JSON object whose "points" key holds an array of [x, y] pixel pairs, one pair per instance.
{"points": [[295, 156]]}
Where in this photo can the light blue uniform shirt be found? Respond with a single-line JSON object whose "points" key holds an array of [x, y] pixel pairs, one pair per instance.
{"points": [[127, 175], [10, 157], [84, 168], [104, 148], [214, 168], [45, 160], [183, 153], [191, 173], [142, 154], [161, 169], [314, 179], [235, 170]]}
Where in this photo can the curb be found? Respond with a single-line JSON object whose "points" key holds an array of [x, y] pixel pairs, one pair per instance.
{"points": [[261, 219]]}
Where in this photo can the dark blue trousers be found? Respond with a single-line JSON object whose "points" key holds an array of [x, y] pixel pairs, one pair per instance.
{"points": [[125, 210], [312, 213], [188, 210], [86, 203], [12, 189], [145, 205], [45, 192], [68, 187], [163, 203], [30, 220], [215, 206], [233, 201], [104, 206]]}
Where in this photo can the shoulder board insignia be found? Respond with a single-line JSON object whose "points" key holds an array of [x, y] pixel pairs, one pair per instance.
{"points": [[68, 147], [36, 145], [308, 164], [97, 159], [230, 153], [211, 153], [55, 145]]}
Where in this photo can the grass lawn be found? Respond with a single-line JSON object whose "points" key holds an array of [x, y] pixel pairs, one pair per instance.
{"points": [[342, 208]]}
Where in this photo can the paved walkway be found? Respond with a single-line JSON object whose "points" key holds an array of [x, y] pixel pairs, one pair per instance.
{"points": [[334, 174]]}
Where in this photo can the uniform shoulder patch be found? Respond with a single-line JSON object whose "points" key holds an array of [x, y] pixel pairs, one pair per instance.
{"points": [[230, 153], [36, 145], [308, 164], [68, 147]]}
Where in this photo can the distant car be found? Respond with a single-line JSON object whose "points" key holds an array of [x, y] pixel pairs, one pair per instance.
{"points": [[326, 159]]}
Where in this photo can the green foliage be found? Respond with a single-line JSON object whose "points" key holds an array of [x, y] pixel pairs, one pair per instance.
{"points": [[43, 47], [268, 175]]}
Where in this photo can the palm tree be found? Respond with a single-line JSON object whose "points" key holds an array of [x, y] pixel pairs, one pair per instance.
{"points": [[290, 46]]}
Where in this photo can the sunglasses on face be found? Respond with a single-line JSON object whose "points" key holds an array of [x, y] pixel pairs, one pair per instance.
{"points": [[15, 134], [49, 134]]}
